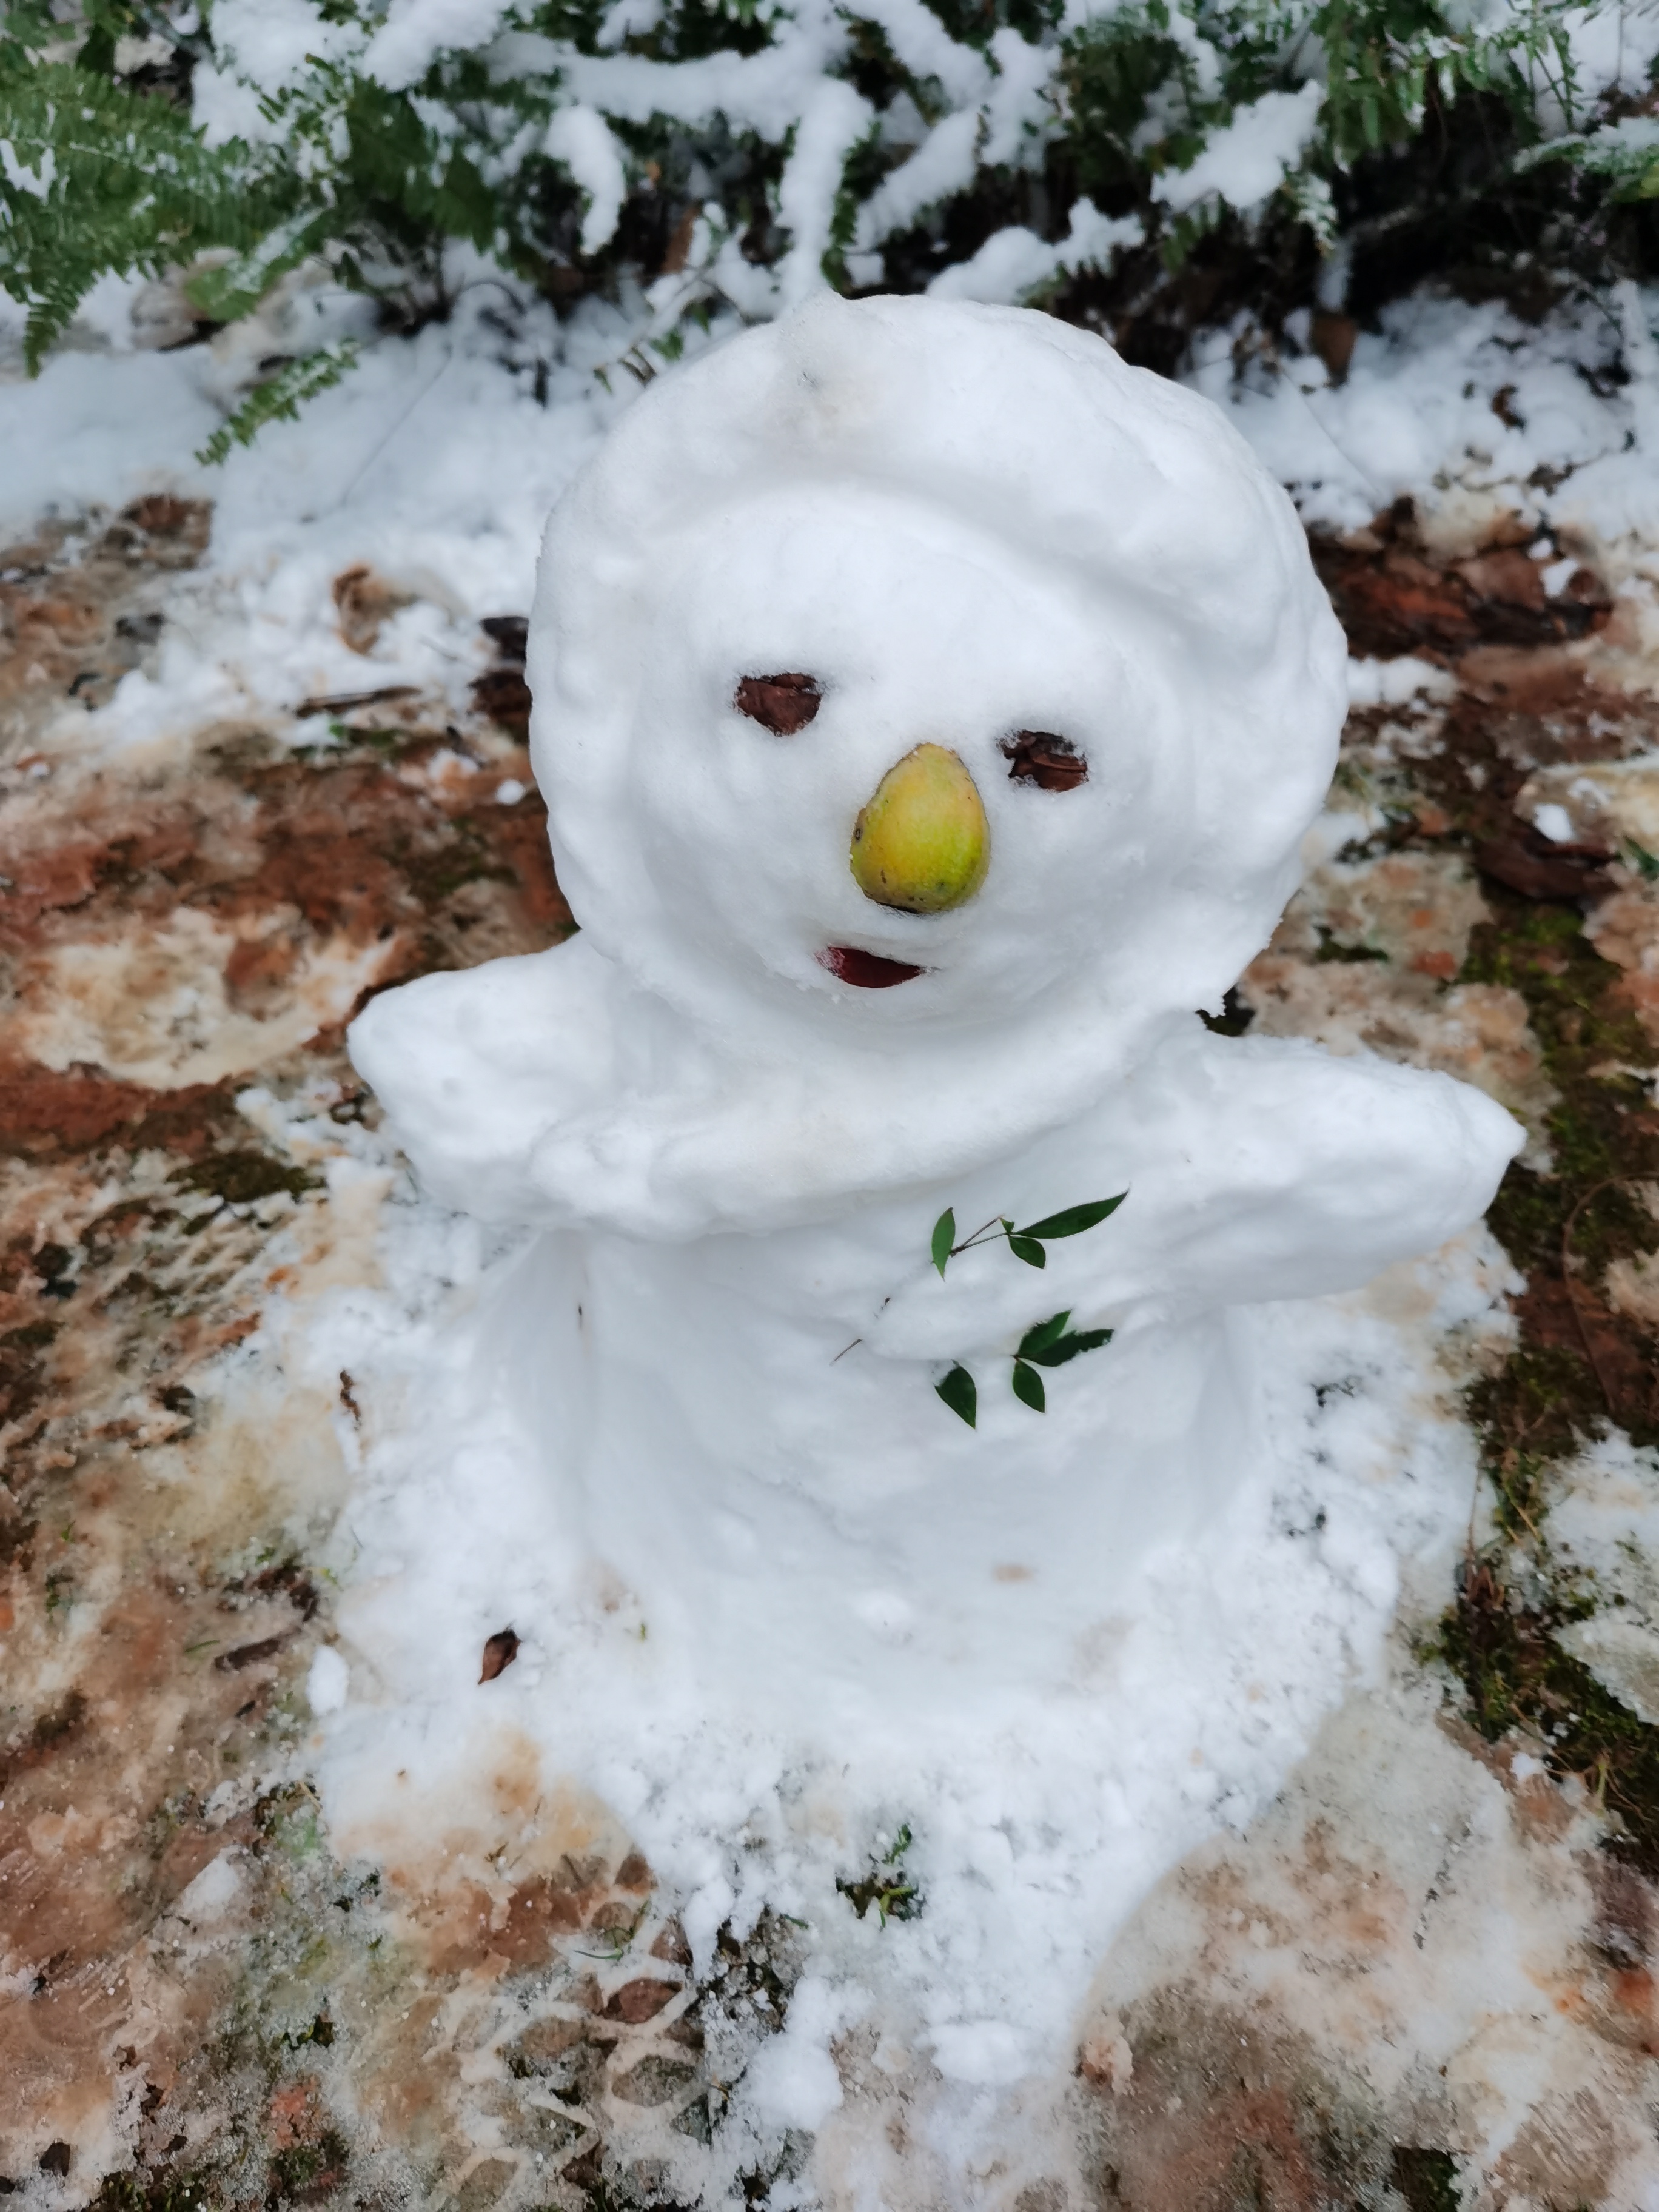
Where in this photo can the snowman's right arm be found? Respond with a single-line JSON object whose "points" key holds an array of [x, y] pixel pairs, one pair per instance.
{"points": [[473, 1067]]}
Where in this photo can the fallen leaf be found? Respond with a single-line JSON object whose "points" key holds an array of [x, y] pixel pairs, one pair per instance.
{"points": [[640, 2000], [679, 246], [1332, 337], [499, 1652], [1508, 576], [365, 601], [1565, 873], [504, 696], [250, 1655], [347, 702]]}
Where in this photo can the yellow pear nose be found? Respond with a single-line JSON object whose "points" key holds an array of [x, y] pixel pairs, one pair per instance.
{"points": [[922, 843]]}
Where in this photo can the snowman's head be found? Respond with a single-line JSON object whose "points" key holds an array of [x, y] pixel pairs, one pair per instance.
{"points": [[909, 664]]}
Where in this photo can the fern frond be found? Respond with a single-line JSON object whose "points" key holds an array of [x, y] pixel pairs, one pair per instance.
{"points": [[102, 179], [280, 398], [235, 290]]}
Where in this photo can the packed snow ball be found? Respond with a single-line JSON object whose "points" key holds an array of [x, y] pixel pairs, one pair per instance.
{"points": [[963, 524]]}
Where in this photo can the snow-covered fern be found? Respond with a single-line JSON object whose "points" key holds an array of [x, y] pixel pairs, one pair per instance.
{"points": [[748, 150]]}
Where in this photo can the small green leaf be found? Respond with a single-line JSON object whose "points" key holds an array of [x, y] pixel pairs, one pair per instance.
{"points": [[1066, 1348], [960, 1395], [1026, 1248], [1028, 1387], [1074, 1219], [1045, 1334], [945, 1235], [98, 51]]}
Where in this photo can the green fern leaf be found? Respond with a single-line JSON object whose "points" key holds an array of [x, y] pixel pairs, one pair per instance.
{"points": [[280, 398]]}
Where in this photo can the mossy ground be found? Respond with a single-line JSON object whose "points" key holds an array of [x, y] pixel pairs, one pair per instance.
{"points": [[1581, 1364]]}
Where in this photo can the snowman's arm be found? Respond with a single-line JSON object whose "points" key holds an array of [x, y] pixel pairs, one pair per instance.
{"points": [[474, 1067], [1256, 1169], [1292, 1173]]}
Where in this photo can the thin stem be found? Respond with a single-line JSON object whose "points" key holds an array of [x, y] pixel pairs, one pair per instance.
{"points": [[978, 1236]]}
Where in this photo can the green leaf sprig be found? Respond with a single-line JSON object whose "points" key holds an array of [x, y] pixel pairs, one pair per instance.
{"points": [[1046, 1344], [887, 1886], [1024, 1243], [1050, 1344]]}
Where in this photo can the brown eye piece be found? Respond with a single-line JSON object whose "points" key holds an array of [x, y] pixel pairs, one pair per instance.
{"points": [[782, 704], [1039, 757]]}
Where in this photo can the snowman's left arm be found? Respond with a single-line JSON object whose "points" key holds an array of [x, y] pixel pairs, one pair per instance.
{"points": [[1256, 1169], [1291, 1172]]}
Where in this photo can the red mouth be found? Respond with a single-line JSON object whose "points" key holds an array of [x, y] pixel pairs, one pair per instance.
{"points": [[866, 971]]}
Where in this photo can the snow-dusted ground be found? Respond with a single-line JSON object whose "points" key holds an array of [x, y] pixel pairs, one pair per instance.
{"points": [[433, 454], [434, 464]]}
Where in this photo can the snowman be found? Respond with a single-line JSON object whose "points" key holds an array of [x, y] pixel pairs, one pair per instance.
{"points": [[929, 710]]}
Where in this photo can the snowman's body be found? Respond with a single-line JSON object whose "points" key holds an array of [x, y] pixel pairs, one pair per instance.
{"points": [[966, 526]]}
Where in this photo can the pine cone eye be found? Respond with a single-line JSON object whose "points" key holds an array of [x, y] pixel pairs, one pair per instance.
{"points": [[782, 704], [1038, 756]]}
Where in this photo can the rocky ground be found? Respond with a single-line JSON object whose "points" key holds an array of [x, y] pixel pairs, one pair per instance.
{"points": [[1425, 1978]]}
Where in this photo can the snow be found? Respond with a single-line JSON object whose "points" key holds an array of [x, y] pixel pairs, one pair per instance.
{"points": [[943, 165], [581, 139], [22, 179], [766, 92], [702, 1397], [223, 106], [430, 463], [1015, 263], [268, 43], [1248, 158], [792, 2080], [414, 32], [1418, 414], [1397, 683], [209, 1896], [1019, 106], [97, 428], [995, 111], [1605, 1518], [328, 1681], [1633, 133], [1615, 48], [832, 122], [921, 45]]}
